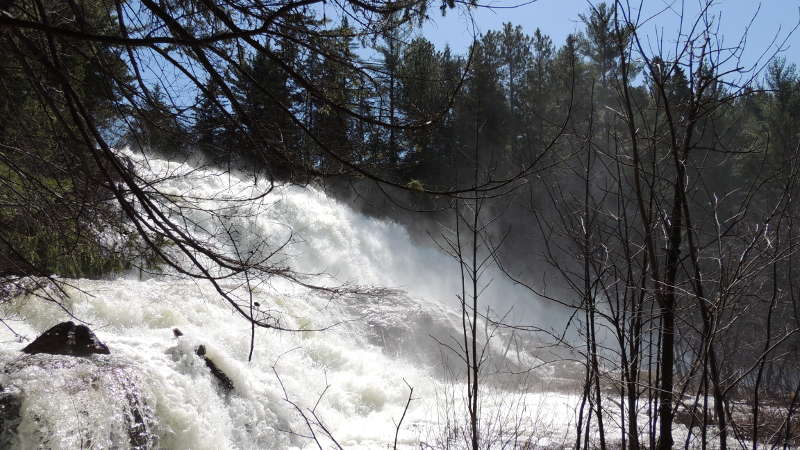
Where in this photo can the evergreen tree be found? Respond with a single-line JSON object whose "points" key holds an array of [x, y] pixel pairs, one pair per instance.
{"points": [[783, 111], [266, 94], [336, 86], [539, 93], [391, 52], [423, 94], [515, 60], [157, 128], [54, 210], [600, 43], [211, 124], [482, 113]]}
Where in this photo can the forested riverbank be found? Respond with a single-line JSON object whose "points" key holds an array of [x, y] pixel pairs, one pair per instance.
{"points": [[636, 194]]}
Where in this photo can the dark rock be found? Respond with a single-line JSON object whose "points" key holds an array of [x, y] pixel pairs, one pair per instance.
{"points": [[67, 338], [10, 406], [140, 426], [178, 333], [223, 379], [79, 381]]}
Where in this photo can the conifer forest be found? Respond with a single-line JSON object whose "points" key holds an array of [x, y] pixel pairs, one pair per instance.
{"points": [[250, 224]]}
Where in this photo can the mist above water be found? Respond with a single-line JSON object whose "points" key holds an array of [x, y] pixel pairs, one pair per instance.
{"points": [[373, 347]]}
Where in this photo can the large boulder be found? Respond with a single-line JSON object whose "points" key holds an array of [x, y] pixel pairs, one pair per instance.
{"points": [[67, 338], [59, 401], [10, 417], [51, 399]]}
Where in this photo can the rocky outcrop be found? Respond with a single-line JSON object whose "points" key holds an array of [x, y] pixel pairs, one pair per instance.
{"points": [[10, 405], [59, 401], [67, 338], [106, 405], [223, 379], [140, 425]]}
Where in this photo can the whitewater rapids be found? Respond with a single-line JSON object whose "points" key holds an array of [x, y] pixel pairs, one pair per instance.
{"points": [[354, 376]]}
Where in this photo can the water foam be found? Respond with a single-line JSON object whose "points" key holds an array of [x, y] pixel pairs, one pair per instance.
{"points": [[361, 365]]}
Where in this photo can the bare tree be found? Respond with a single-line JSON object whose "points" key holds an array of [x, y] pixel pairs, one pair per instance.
{"points": [[673, 254]]}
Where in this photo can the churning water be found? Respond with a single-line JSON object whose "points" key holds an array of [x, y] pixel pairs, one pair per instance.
{"points": [[349, 383]]}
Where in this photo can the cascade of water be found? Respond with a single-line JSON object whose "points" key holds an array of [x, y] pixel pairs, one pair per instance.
{"points": [[360, 365]]}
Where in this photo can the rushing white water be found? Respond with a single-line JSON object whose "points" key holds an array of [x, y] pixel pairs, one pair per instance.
{"points": [[352, 378]]}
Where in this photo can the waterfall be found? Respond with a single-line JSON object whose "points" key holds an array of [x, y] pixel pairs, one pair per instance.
{"points": [[353, 377]]}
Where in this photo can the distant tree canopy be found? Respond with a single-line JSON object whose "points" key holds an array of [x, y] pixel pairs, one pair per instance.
{"points": [[658, 187], [287, 90], [53, 206], [274, 87]]}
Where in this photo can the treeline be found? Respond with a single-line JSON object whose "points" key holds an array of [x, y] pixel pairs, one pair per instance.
{"points": [[55, 215], [508, 97], [655, 193], [648, 192], [425, 118]]}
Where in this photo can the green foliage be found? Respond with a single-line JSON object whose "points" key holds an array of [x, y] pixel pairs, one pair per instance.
{"points": [[55, 214], [305, 101]]}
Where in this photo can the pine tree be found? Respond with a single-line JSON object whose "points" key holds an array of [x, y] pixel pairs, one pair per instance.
{"points": [[391, 51], [482, 114], [539, 93], [53, 194], [515, 60], [336, 86], [211, 124], [156, 128], [271, 142], [421, 96]]}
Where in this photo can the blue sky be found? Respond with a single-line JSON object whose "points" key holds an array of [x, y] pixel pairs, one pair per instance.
{"points": [[558, 18]]}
